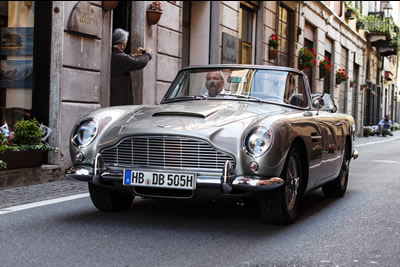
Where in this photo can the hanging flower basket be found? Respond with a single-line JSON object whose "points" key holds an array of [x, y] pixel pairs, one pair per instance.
{"points": [[350, 14], [307, 58], [325, 68], [153, 16], [154, 12], [273, 53], [273, 44], [341, 76], [273, 41]]}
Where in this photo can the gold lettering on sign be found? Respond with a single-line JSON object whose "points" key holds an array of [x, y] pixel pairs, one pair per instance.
{"points": [[86, 18], [83, 19]]}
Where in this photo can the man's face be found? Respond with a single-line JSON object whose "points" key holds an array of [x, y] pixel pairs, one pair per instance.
{"points": [[214, 83]]}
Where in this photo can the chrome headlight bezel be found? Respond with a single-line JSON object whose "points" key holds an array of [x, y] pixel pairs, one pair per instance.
{"points": [[77, 140], [258, 141]]}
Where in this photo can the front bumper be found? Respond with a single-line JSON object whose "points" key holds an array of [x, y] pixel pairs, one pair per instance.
{"points": [[228, 182]]}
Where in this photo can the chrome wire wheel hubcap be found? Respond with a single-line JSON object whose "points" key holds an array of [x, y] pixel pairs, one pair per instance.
{"points": [[292, 183]]}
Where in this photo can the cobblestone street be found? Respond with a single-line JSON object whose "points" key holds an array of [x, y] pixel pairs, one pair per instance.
{"points": [[32, 193]]}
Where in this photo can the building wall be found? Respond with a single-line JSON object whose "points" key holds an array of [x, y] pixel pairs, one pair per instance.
{"points": [[79, 74]]}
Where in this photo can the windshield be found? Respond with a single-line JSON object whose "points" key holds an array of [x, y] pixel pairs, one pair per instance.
{"points": [[276, 86]]}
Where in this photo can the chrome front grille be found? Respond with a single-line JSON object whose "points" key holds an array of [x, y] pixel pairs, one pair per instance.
{"points": [[165, 152]]}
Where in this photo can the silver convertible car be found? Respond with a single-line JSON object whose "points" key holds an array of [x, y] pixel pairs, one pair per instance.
{"points": [[231, 131]]}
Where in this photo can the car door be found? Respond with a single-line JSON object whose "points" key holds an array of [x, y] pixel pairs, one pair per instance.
{"points": [[331, 130]]}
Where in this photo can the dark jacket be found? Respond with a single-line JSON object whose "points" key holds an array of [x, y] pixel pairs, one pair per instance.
{"points": [[121, 66]]}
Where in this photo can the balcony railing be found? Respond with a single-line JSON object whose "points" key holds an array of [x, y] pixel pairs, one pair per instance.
{"points": [[375, 22]]}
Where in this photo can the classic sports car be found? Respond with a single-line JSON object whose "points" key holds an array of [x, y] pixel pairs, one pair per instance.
{"points": [[227, 130]]}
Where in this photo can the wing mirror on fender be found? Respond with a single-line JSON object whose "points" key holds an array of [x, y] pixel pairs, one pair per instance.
{"points": [[317, 103]]}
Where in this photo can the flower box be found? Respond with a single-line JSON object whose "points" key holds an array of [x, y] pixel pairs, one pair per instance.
{"points": [[273, 53], [24, 159]]}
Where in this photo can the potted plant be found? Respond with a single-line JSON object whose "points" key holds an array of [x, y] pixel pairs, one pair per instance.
{"points": [[325, 67], [341, 76], [154, 12], [23, 147], [351, 11], [367, 130], [273, 46], [307, 58], [3, 165]]}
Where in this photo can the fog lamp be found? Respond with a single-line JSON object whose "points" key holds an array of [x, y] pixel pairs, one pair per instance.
{"points": [[253, 166], [79, 157]]}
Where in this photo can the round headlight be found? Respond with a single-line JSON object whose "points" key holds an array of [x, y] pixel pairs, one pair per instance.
{"points": [[258, 140], [84, 133]]}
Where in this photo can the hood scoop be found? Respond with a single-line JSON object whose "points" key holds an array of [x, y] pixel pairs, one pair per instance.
{"points": [[198, 112], [176, 113]]}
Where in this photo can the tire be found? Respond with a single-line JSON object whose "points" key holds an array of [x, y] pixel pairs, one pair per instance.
{"points": [[108, 200], [338, 187], [281, 206]]}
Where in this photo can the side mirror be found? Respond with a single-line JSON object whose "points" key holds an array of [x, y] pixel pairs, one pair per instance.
{"points": [[318, 102]]}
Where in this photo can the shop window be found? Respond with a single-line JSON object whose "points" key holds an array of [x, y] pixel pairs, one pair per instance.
{"points": [[246, 27], [17, 20]]}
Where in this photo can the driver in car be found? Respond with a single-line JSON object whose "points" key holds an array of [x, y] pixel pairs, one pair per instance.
{"points": [[214, 83]]}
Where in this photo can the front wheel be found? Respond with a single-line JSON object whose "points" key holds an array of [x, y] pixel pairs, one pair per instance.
{"points": [[109, 200], [338, 187], [281, 206]]}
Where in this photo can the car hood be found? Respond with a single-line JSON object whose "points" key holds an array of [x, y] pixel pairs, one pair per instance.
{"points": [[195, 115]]}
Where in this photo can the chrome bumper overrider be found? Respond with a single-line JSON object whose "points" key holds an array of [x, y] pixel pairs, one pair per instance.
{"points": [[227, 183], [355, 154]]}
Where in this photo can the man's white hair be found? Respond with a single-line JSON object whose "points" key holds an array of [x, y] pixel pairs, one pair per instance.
{"points": [[119, 36]]}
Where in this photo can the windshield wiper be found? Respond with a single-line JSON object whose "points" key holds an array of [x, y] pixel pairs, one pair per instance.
{"points": [[245, 97]]}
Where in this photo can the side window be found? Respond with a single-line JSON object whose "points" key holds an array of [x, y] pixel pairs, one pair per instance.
{"points": [[294, 91]]}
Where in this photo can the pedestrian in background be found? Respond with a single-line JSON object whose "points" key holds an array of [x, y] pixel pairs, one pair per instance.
{"points": [[121, 66], [384, 126]]}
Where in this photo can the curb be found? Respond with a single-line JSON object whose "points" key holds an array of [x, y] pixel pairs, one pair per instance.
{"points": [[29, 176]]}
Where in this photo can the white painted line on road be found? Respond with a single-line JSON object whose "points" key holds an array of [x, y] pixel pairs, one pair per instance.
{"points": [[377, 142], [384, 161], [41, 203]]}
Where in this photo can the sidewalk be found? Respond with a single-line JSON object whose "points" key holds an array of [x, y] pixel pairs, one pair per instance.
{"points": [[65, 187], [371, 139]]}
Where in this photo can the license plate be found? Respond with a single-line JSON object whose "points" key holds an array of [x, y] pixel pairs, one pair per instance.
{"points": [[174, 180]]}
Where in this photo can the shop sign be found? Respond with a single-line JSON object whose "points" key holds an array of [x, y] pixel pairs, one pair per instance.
{"points": [[229, 49], [83, 20]]}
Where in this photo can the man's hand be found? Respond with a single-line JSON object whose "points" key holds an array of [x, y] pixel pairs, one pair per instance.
{"points": [[149, 50], [139, 52]]}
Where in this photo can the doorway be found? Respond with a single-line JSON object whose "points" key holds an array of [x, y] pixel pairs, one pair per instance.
{"points": [[196, 33]]}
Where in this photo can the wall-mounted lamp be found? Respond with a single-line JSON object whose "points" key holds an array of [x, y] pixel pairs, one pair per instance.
{"points": [[387, 10]]}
